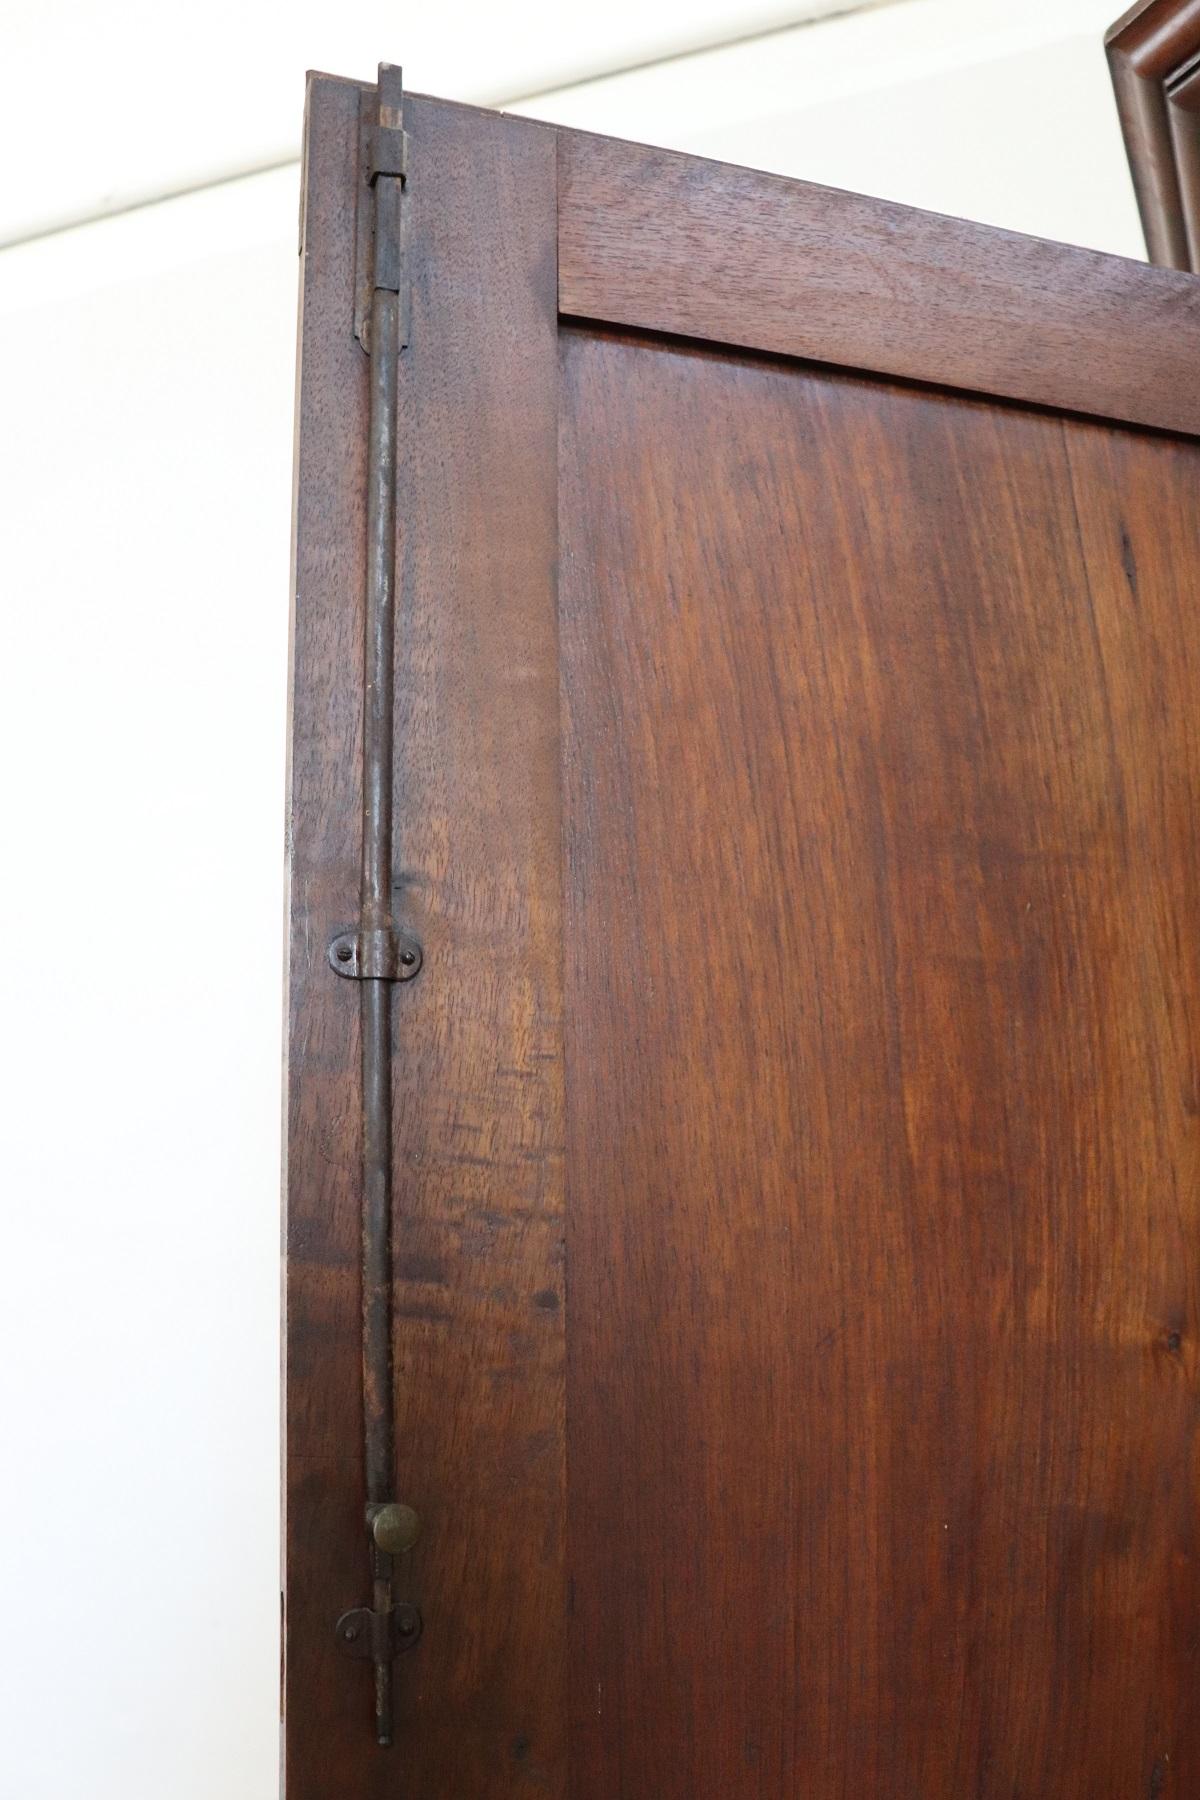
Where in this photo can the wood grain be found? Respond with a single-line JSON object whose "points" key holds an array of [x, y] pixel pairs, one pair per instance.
{"points": [[478, 1233], [1183, 118], [871, 1104], [1150, 48], [669, 243], [323, 1477], [882, 818]]}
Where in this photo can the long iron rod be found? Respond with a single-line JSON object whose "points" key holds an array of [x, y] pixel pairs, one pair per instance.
{"points": [[378, 698]]}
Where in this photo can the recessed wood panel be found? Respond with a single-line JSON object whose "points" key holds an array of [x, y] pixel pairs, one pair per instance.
{"points": [[882, 846]]}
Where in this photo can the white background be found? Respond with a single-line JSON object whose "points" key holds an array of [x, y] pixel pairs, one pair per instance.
{"points": [[146, 374]]}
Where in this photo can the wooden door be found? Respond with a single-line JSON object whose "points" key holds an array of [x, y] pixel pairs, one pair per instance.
{"points": [[796, 1119]]}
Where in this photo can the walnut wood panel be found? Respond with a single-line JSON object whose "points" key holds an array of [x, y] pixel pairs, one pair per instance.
{"points": [[882, 813], [1150, 52], [1183, 118], [878, 716], [478, 1092], [669, 243]]}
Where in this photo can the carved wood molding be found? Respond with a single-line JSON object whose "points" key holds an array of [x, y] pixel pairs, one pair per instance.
{"points": [[1154, 55]]}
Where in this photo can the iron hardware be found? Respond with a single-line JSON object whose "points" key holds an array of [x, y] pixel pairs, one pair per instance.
{"points": [[384, 954], [395, 1528], [381, 227], [378, 954], [387, 152], [373, 1636]]}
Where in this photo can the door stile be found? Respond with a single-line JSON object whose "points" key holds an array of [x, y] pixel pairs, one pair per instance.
{"points": [[476, 1218]]}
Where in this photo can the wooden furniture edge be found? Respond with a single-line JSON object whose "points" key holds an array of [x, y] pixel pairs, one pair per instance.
{"points": [[768, 263], [792, 268], [1151, 51], [477, 1069]]}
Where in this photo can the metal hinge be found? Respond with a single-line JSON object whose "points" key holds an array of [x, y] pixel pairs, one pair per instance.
{"points": [[381, 243]]}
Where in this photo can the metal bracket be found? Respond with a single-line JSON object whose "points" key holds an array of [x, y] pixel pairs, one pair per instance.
{"points": [[379, 1637], [387, 152], [381, 227], [377, 955]]}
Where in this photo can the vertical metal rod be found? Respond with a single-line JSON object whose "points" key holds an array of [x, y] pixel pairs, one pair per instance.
{"points": [[376, 900], [377, 955]]}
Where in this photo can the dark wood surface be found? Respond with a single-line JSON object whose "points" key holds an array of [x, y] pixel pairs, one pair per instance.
{"points": [[852, 1448], [1183, 118], [1150, 52], [670, 243], [478, 1094], [883, 966]]}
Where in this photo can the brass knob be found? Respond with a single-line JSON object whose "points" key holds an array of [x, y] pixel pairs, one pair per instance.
{"points": [[395, 1528]]}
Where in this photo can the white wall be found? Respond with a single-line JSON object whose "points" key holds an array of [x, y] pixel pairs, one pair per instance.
{"points": [[996, 110], [146, 367], [149, 98]]}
